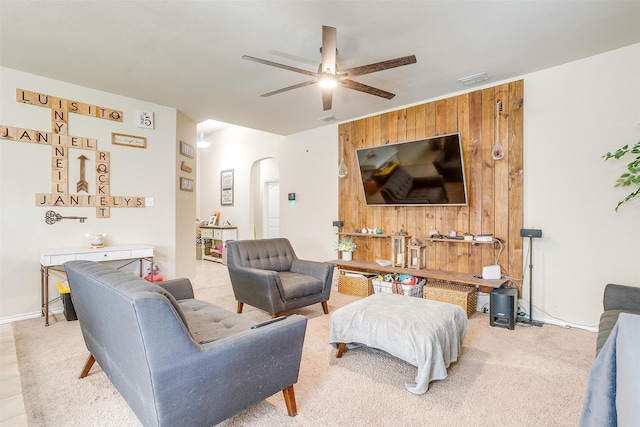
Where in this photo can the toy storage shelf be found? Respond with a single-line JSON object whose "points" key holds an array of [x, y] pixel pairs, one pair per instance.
{"points": [[219, 237]]}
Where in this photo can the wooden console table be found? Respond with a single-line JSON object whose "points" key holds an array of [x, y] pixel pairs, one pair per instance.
{"points": [[55, 259], [462, 278]]}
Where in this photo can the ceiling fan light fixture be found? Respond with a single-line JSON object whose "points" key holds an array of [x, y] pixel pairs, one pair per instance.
{"points": [[328, 81], [201, 143], [328, 76]]}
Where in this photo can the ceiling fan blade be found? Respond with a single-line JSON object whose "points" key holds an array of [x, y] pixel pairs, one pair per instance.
{"points": [[378, 66], [350, 84], [328, 49], [284, 67], [327, 98], [284, 89]]}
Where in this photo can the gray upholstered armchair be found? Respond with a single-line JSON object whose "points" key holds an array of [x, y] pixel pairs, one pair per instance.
{"points": [[268, 275]]}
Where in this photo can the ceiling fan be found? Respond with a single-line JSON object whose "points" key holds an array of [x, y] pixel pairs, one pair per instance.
{"points": [[329, 76]]}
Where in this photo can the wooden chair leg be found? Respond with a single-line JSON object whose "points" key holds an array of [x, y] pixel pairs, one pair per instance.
{"points": [[87, 366], [325, 307], [341, 348], [290, 400], [240, 305]]}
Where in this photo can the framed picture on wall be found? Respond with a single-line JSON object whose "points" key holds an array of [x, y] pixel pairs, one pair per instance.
{"points": [[186, 184], [186, 150], [128, 140], [226, 187]]}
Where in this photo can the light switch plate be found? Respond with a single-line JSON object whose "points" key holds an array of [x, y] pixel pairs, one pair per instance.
{"points": [[145, 119]]}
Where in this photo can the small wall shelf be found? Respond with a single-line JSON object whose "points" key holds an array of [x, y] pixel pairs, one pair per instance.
{"points": [[364, 235], [463, 278]]}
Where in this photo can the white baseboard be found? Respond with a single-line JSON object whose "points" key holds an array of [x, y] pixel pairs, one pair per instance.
{"points": [[564, 324], [29, 316]]}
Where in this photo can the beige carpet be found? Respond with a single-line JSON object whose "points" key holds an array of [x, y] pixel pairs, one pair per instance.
{"points": [[527, 377]]}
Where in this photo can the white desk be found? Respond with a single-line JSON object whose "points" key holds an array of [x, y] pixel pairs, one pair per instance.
{"points": [[55, 258]]}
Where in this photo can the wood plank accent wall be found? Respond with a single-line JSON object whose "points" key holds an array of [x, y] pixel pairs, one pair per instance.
{"points": [[494, 187]]}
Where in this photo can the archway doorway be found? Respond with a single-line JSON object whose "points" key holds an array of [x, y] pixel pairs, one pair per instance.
{"points": [[265, 198]]}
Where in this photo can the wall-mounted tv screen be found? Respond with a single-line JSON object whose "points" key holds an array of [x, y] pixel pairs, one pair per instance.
{"points": [[424, 172]]}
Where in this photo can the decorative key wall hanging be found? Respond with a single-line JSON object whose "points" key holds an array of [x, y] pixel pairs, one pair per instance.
{"points": [[61, 142]]}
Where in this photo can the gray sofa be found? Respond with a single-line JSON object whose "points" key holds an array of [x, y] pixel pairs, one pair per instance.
{"points": [[176, 360], [617, 299], [267, 274]]}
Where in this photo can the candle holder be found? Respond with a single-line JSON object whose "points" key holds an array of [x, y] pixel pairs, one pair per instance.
{"points": [[398, 250], [97, 241], [417, 256]]}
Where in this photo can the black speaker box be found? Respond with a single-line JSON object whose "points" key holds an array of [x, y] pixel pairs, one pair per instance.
{"points": [[504, 307]]}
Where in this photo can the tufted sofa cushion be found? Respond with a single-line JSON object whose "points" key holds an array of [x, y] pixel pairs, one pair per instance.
{"points": [[209, 322], [267, 254]]}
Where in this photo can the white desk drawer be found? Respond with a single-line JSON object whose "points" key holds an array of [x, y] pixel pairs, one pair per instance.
{"points": [[57, 259], [206, 233], [104, 256], [142, 253], [217, 234]]}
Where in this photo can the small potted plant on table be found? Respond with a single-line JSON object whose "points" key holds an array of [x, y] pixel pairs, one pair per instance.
{"points": [[346, 246]]}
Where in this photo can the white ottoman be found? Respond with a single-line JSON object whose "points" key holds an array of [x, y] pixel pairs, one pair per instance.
{"points": [[427, 334]]}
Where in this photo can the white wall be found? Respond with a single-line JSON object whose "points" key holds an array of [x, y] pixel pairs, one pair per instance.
{"points": [[185, 209], [237, 148], [307, 165], [573, 115], [25, 169], [309, 168]]}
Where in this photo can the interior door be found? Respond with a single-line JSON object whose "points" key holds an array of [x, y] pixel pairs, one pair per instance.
{"points": [[272, 203]]}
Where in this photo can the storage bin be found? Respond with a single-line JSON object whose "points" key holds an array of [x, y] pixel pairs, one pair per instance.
{"points": [[453, 293], [355, 283], [380, 286], [67, 304]]}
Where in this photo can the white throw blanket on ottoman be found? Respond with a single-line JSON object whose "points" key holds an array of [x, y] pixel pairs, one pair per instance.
{"points": [[425, 333]]}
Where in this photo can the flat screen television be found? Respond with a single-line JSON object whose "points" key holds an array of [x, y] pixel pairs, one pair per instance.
{"points": [[424, 172]]}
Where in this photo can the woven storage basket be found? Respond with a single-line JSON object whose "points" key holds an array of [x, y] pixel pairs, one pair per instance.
{"points": [[464, 296], [409, 290], [356, 286]]}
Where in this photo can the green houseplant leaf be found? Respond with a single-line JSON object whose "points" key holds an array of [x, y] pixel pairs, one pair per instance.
{"points": [[630, 178]]}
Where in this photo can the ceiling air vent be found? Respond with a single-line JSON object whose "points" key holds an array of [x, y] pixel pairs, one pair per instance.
{"points": [[476, 78], [327, 119]]}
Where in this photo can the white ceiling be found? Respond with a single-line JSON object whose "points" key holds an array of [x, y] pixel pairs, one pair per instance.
{"points": [[187, 54]]}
